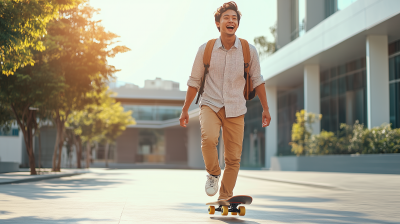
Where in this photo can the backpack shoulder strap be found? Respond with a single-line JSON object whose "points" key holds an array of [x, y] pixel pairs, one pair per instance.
{"points": [[207, 53], [246, 51], [206, 62], [248, 90]]}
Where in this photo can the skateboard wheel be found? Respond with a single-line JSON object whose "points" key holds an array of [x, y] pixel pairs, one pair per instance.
{"points": [[242, 210], [234, 213], [211, 210], [225, 210]]}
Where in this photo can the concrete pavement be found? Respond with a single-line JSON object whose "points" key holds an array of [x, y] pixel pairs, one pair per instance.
{"points": [[43, 174], [177, 196]]}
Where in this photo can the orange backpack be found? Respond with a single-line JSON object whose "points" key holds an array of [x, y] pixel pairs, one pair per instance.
{"points": [[249, 92]]}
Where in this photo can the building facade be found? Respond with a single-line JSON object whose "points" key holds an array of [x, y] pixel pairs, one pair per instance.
{"points": [[337, 58]]}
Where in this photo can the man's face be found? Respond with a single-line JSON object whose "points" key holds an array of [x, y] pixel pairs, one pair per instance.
{"points": [[228, 23]]}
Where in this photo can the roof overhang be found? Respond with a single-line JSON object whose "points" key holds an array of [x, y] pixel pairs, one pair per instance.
{"points": [[338, 39]]}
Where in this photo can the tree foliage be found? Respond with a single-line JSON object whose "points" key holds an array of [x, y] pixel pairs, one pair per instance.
{"points": [[23, 25], [29, 89], [302, 130], [264, 46], [77, 47], [102, 122], [58, 54]]}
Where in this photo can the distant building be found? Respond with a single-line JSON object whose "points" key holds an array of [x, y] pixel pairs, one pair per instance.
{"points": [[158, 83]]}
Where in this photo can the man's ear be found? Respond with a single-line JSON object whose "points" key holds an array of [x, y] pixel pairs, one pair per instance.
{"points": [[217, 24]]}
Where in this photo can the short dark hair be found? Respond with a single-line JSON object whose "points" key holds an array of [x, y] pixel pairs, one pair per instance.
{"points": [[225, 7]]}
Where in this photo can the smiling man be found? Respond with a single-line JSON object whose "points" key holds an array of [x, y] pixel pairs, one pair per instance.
{"points": [[222, 101]]}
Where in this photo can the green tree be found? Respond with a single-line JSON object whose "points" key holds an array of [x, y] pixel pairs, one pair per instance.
{"points": [[116, 121], [302, 130], [77, 48], [102, 122], [23, 93], [22, 25], [265, 47]]}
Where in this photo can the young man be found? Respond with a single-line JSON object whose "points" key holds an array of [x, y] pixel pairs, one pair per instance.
{"points": [[222, 102]]}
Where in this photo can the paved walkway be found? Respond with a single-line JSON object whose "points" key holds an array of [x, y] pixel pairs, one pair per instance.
{"points": [[177, 196], [43, 174]]}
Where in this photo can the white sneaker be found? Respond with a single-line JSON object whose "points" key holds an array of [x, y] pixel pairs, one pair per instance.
{"points": [[212, 185]]}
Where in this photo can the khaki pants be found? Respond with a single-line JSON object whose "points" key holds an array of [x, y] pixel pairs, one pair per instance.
{"points": [[232, 134]]}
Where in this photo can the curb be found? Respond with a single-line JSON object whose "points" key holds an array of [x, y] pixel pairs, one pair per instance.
{"points": [[307, 184], [53, 176]]}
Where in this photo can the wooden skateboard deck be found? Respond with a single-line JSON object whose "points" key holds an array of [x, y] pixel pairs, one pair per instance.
{"points": [[230, 205]]}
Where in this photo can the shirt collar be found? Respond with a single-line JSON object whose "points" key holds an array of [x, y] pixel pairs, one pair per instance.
{"points": [[219, 43]]}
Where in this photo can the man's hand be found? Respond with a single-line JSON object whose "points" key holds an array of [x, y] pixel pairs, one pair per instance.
{"points": [[266, 118], [184, 118]]}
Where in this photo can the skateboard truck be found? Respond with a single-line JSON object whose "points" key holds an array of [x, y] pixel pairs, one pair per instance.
{"points": [[230, 205]]}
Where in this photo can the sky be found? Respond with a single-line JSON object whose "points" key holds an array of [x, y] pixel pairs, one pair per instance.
{"points": [[164, 35]]}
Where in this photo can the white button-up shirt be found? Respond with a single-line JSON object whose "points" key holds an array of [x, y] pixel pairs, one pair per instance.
{"points": [[225, 82]]}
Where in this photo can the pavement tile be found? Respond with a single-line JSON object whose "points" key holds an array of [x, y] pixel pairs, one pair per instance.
{"points": [[159, 196]]}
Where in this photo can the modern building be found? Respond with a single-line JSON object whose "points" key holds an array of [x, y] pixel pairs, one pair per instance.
{"points": [[337, 58], [157, 138]]}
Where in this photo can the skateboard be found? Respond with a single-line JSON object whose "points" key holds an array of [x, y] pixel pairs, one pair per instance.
{"points": [[230, 205]]}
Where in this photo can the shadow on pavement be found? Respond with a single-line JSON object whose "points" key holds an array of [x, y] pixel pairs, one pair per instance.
{"points": [[56, 188], [292, 199], [288, 213], [232, 220], [302, 213], [35, 220]]}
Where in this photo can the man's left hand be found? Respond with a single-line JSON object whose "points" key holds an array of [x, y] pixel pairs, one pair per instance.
{"points": [[266, 118]]}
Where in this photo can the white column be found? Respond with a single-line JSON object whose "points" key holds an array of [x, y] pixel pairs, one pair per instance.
{"points": [[195, 157], [315, 13], [312, 93], [271, 132], [378, 110], [221, 150], [284, 25]]}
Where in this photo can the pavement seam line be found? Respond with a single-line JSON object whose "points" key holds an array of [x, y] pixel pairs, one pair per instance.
{"points": [[122, 213], [297, 183]]}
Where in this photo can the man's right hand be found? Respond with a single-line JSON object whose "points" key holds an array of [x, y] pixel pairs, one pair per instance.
{"points": [[184, 118]]}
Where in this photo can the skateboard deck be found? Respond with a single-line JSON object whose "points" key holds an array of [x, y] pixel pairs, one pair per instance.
{"points": [[230, 205]]}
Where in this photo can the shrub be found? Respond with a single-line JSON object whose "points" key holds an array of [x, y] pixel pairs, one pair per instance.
{"points": [[355, 139]]}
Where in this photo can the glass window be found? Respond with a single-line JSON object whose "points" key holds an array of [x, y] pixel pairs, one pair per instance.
{"points": [[344, 99], [330, 7], [151, 148], [391, 69], [9, 132], [290, 102], [334, 89], [153, 113], [394, 90], [342, 85], [342, 4], [325, 90], [253, 152], [333, 72]]}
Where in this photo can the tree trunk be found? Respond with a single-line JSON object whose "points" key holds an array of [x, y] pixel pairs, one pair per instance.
{"points": [[54, 163], [106, 153], [26, 129], [88, 149], [29, 149], [40, 152], [78, 143]]}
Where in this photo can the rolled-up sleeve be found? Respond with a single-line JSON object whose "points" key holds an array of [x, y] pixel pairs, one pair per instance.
{"points": [[197, 69], [255, 70]]}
